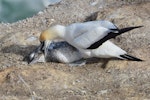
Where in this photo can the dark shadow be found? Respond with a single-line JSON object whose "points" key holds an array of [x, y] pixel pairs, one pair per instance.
{"points": [[91, 17], [19, 49]]}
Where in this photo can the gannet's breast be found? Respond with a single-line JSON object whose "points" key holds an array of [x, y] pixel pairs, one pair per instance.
{"points": [[62, 52]]}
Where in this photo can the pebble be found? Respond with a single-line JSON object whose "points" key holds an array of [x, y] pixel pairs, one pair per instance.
{"points": [[93, 3], [31, 39]]}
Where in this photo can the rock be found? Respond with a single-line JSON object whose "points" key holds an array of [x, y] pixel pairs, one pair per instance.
{"points": [[118, 80]]}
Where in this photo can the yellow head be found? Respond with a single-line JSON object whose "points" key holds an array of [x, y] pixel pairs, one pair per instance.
{"points": [[51, 34], [47, 35]]}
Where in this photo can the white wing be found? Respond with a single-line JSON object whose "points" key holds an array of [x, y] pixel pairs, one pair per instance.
{"points": [[107, 24], [88, 38], [83, 35]]}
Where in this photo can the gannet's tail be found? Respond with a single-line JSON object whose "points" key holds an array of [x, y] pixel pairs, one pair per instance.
{"points": [[113, 34], [123, 30], [129, 57]]}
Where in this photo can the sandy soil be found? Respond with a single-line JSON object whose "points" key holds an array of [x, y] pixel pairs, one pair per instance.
{"points": [[119, 80]]}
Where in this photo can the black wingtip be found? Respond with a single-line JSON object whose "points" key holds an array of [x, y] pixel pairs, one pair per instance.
{"points": [[123, 30], [129, 57]]}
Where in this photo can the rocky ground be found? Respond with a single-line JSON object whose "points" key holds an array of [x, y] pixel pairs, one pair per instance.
{"points": [[119, 80]]}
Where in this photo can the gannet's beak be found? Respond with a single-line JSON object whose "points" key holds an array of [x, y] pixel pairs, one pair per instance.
{"points": [[46, 45]]}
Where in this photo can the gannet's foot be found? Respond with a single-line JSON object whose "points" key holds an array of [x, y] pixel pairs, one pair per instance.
{"points": [[77, 63]]}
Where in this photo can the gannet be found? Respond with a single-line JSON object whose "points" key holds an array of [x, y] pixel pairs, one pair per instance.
{"points": [[61, 52], [90, 38]]}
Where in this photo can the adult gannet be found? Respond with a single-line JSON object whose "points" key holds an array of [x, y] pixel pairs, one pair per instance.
{"points": [[90, 38]]}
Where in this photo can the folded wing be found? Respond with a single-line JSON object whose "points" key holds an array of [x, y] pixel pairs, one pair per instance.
{"points": [[89, 38], [84, 35]]}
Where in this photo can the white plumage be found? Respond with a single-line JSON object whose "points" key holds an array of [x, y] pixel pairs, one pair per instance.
{"points": [[108, 50], [90, 38], [82, 35]]}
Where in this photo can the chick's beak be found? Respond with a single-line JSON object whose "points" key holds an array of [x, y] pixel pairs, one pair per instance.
{"points": [[33, 56]]}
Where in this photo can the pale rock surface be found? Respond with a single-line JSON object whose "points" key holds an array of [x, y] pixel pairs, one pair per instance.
{"points": [[119, 80]]}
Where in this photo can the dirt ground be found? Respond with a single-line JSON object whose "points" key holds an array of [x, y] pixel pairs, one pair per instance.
{"points": [[119, 80]]}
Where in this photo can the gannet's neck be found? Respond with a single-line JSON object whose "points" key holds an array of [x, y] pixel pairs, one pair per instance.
{"points": [[60, 30]]}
